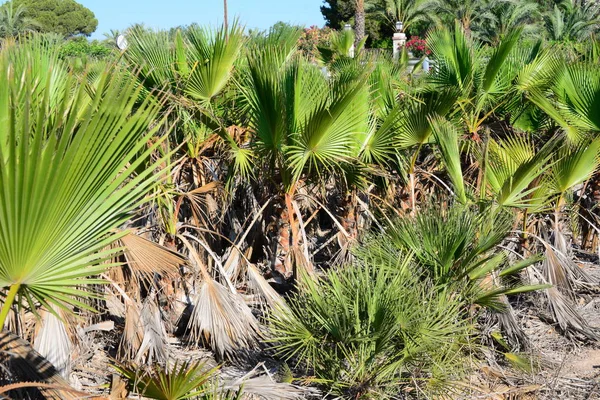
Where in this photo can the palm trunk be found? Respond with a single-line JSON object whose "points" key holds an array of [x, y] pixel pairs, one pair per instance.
{"points": [[225, 17], [466, 23], [359, 18], [289, 254]]}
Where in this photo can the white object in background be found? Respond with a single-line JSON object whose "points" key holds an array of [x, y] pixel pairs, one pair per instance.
{"points": [[399, 39], [426, 64], [122, 42]]}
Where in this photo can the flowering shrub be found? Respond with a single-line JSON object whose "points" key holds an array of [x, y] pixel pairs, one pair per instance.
{"points": [[312, 38], [418, 47]]}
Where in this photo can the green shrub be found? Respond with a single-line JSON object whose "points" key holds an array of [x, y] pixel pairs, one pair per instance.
{"points": [[372, 330], [80, 47], [457, 246]]}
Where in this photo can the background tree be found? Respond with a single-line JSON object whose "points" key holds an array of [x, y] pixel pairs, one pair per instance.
{"points": [[571, 20], [65, 17], [13, 21], [359, 20], [407, 11], [338, 12], [504, 16]]}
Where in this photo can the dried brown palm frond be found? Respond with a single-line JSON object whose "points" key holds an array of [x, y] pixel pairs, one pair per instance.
{"points": [[569, 320], [220, 318], [26, 364], [565, 255], [133, 331], [561, 271], [555, 269], [235, 261], [53, 342], [509, 325], [154, 346], [259, 285], [258, 384], [145, 258], [201, 203]]}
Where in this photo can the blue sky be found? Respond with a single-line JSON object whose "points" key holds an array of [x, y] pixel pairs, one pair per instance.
{"points": [[119, 14]]}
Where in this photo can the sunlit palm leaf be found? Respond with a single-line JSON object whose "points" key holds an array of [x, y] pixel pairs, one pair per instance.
{"points": [[447, 138], [67, 182], [574, 165], [214, 55]]}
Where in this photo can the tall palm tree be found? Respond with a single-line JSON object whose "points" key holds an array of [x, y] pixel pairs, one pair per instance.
{"points": [[570, 20], [305, 128], [225, 16], [505, 16], [467, 12], [359, 20], [407, 11]]}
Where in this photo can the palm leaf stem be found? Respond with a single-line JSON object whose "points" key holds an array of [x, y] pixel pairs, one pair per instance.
{"points": [[411, 174], [8, 302]]}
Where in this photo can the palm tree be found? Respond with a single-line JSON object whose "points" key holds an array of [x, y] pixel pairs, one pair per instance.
{"points": [[465, 11], [505, 16], [13, 21], [305, 127], [73, 168], [225, 16], [570, 20], [359, 20], [407, 11]]}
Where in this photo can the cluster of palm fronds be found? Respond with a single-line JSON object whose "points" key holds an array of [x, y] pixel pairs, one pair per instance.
{"points": [[172, 199]]}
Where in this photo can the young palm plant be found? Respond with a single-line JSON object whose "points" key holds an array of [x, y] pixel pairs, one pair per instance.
{"points": [[372, 329], [305, 127]]}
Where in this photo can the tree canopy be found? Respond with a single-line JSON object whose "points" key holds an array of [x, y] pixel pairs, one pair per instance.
{"points": [[65, 17]]}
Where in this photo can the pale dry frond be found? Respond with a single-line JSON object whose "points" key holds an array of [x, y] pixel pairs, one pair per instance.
{"points": [[258, 284], [258, 384], [222, 320], [52, 342], [569, 320], [154, 346], [133, 332], [220, 317], [146, 258]]}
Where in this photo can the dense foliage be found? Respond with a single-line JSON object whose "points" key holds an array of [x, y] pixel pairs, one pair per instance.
{"points": [[488, 20], [369, 230], [64, 17], [81, 47]]}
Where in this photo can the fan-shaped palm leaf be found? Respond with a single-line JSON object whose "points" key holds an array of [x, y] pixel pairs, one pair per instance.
{"points": [[67, 182], [446, 136], [213, 56]]}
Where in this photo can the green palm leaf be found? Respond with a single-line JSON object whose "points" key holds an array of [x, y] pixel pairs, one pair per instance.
{"points": [[67, 181], [446, 135], [575, 165], [514, 166], [214, 55], [185, 380]]}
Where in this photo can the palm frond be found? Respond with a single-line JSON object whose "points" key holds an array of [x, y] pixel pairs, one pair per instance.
{"points": [[88, 167]]}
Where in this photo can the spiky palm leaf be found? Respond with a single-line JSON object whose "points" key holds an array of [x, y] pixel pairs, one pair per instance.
{"points": [[303, 123], [457, 246], [70, 176], [446, 136], [370, 344], [179, 381], [513, 168]]}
